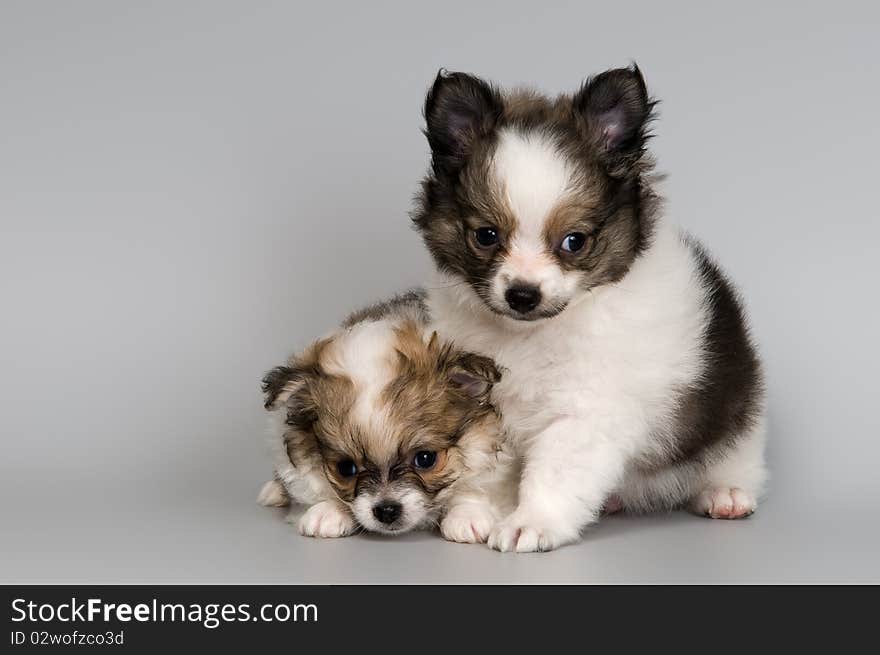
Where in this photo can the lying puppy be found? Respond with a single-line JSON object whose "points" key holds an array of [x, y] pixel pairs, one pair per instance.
{"points": [[630, 377], [382, 426]]}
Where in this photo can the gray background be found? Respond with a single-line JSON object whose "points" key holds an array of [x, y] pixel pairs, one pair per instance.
{"points": [[190, 191]]}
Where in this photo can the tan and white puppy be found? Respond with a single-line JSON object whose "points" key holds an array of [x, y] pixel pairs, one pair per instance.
{"points": [[381, 426]]}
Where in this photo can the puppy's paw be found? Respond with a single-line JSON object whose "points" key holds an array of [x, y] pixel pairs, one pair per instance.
{"points": [[724, 503], [273, 495], [468, 523], [524, 533], [326, 519]]}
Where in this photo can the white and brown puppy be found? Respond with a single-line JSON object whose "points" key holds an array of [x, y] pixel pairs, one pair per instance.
{"points": [[382, 426], [630, 374]]}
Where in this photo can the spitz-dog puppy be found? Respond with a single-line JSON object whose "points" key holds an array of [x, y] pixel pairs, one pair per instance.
{"points": [[382, 426], [630, 376]]}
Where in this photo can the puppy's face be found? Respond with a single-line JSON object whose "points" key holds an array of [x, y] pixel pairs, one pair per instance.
{"points": [[532, 201], [390, 417]]}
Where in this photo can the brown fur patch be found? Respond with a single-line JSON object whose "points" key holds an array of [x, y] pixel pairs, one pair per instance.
{"points": [[429, 408], [577, 213]]}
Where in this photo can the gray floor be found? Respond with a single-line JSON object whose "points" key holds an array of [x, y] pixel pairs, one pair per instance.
{"points": [[190, 536], [188, 193]]}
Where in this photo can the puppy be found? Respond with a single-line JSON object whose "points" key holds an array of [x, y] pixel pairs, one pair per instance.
{"points": [[382, 426], [630, 376]]}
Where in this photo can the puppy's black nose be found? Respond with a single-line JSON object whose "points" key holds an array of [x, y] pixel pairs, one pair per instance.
{"points": [[387, 511], [523, 298]]}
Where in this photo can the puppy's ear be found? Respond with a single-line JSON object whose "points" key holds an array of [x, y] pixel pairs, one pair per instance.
{"points": [[280, 384], [473, 375], [615, 109], [460, 109]]}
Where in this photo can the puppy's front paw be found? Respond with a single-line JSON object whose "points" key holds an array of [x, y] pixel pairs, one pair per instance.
{"points": [[523, 533], [326, 519], [724, 503], [468, 523]]}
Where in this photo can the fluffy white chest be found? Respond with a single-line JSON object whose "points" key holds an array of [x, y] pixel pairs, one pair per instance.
{"points": [[623, 349]]}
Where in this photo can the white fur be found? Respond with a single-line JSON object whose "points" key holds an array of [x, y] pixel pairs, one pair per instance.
{"points": [[327, 519], [482, 496], [586, 393], [533, 179], [363, 353], [468, 523], [532, 176]]}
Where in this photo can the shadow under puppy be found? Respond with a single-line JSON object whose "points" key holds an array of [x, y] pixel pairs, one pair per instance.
{"points": [[384, 427]]}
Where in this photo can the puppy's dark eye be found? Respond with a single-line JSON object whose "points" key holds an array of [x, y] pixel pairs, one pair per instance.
{"points": [[425, 459], [347, 468], [574, 242], [486, 236]]}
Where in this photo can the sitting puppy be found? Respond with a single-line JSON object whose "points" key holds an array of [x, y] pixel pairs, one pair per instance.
{"points": [[382, 426], [630, 376]]}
